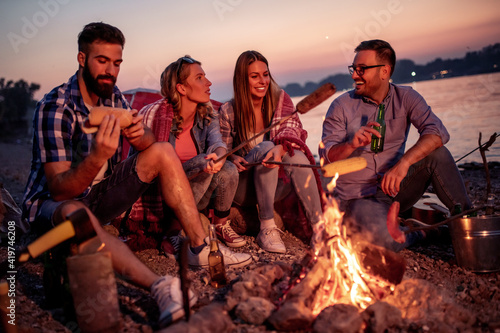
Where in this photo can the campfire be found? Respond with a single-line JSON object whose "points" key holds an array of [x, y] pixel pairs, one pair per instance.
{"points": [[336, 272], [345, 279]]}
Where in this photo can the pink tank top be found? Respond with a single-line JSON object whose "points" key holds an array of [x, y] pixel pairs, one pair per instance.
{"points": [[184, 145]]}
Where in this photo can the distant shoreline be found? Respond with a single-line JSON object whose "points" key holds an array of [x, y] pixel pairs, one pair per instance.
{"points": [[406, 71]]}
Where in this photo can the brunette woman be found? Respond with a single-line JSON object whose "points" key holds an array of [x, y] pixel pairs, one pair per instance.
{"points": [[257, 103]]}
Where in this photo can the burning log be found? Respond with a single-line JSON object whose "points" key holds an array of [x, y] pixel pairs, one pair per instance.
{"points": [[297, 311]]}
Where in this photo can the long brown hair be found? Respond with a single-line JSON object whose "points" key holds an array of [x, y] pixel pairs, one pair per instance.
{"points": [[178, 72], [244, 118]]}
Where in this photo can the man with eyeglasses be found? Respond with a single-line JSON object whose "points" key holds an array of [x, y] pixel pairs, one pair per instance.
{"points": [[72, 169], [393, 175]]}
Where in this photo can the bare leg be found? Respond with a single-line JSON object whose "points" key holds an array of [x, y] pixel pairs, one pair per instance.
{"points": [[160, 161], [123, 259]]}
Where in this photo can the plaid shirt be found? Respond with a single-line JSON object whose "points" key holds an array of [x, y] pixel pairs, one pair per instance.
{"points": [[58, 136], [290, 133]]}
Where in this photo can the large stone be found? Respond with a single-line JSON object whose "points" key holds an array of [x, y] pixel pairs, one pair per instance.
{"points": [[252, 284], [339, 318], [211, 318], [255, 310], [292, 316], [424, 303], [382, 317]]}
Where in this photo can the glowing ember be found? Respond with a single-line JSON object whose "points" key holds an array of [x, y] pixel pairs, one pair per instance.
{"points": [[345, 281]]}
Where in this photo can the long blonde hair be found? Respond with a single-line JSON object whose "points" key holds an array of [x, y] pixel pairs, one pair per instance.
{"points": [[178, 72], [244, 118]]}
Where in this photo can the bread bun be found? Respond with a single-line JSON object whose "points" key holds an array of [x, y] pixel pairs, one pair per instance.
{"points": [[98, 113]]}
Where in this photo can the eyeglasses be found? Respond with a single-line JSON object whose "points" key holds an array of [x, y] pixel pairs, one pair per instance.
{"points": [[181, 60], [360, 70]]}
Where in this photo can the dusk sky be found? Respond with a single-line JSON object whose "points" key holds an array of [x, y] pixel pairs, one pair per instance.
{"points": [[303, 40]]}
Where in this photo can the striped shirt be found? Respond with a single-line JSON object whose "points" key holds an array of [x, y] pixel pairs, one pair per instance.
{"points": [[58, 136]]}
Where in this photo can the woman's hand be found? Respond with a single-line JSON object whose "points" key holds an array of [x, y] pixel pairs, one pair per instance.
{"points": [[275, 155], [211, 166], [239, 162]]}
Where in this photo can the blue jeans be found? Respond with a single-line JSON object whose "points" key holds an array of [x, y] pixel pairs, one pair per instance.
{"points": [[369, 215], [220, 186], [268, 188]]}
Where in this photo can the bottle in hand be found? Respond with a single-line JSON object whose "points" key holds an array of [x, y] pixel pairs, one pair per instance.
{"points": [[377, 144], [216, 261]]}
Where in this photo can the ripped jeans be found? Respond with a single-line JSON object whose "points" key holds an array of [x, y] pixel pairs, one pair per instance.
{"points": [[261, 185], [221, 187]]}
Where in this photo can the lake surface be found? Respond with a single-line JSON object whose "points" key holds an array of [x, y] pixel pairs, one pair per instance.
{"points": [[467, 105]]}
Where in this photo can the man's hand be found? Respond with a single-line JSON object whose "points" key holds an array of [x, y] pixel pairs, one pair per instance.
{"points": [[107, 138], [275, 155], [423, 147], [393, 177], [363, 136], [67, 182]]}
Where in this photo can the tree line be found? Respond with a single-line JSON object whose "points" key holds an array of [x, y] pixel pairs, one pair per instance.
{"points": [[16, 98], [486, 60]]}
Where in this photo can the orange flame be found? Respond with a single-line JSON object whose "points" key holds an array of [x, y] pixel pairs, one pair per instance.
{"points": [[344, 281]]}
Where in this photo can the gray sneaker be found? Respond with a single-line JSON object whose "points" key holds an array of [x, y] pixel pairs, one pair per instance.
{"points": [[231, 259], [167, 293], [269, 239]]}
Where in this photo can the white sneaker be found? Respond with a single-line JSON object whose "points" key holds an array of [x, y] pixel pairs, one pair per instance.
{"points": [[231, 259], [167, 293], [269, 239]]}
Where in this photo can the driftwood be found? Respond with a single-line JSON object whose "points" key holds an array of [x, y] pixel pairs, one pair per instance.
{"points": [[482, 150]]}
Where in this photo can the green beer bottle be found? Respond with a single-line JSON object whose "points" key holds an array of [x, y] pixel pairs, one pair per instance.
{"points": [[377, 145]]}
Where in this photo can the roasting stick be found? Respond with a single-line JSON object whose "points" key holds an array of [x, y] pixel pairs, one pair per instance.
{"points": [[341, 167], [305, 105], [297, 165]]}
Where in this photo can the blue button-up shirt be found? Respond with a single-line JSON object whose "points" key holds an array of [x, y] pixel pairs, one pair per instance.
{"points": [[347, 113]]}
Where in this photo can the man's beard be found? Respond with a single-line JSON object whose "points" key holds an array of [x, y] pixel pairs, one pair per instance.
{"points": [[103, 90]]}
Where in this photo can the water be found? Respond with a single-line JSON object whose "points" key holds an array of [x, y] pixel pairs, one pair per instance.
{"points": [[467, 105]]}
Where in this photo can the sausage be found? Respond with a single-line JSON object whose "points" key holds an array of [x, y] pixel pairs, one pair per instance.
{"points": [[393, 223], [98, 113]]}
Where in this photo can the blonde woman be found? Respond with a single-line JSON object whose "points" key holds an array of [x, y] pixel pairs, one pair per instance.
{"points": [[185, 118]]}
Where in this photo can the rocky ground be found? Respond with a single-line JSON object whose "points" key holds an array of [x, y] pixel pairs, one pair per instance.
{"points": [[477, 293]]}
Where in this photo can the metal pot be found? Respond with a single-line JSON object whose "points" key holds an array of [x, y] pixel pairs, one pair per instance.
{"points": [[476, 242]]}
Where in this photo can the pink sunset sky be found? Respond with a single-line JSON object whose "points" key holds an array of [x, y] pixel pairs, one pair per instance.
{"points": [[303, 40]]}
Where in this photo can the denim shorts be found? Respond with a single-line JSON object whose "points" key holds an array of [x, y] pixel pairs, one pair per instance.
{"points": [[108, 199]]}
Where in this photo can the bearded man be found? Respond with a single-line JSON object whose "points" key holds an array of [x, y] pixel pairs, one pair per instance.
{"points": [[72, 169]]}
